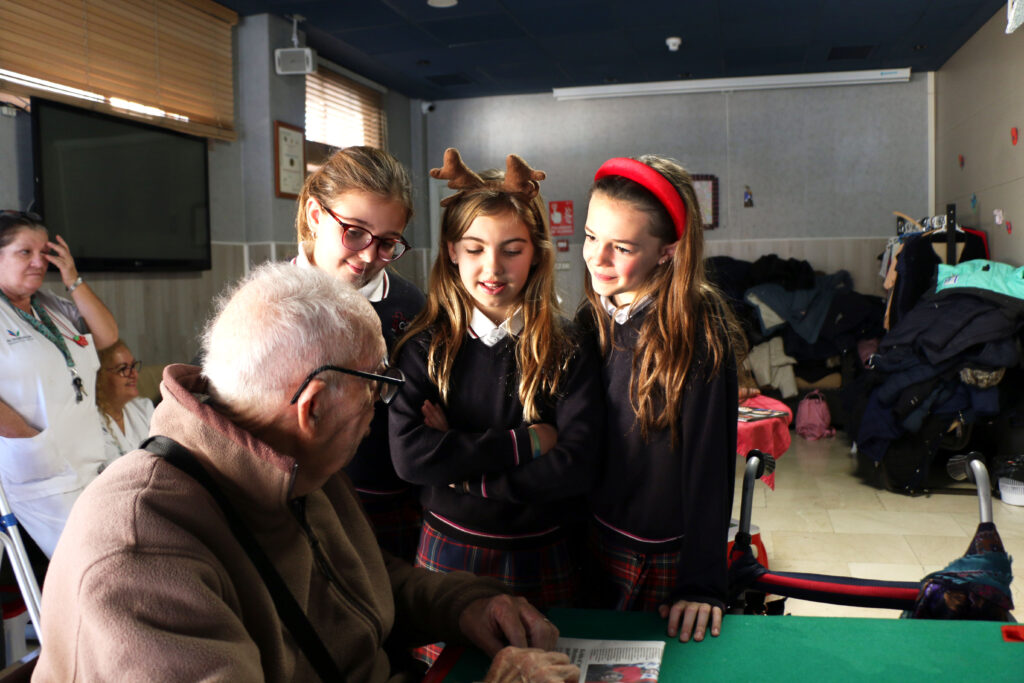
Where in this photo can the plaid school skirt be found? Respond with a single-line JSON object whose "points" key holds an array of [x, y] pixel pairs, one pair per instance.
{"points": [[547, 575], [621, 578], [396, 522]]}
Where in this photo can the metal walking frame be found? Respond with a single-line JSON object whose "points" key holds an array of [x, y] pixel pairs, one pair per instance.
{"points": [[747, 574], [14, 547]]}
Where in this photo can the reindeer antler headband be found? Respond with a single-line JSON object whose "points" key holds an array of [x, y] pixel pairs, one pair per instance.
{"points": [[519, 180]]}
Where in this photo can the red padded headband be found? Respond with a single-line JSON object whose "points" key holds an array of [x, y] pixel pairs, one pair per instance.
{"points": [[653, 182]]}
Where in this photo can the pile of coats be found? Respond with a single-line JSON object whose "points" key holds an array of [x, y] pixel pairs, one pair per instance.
{"points": [[798, 323], [939, 370]]}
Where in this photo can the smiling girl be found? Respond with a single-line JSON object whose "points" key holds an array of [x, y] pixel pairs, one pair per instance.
{"points": [[351, 215], [662, 507], [499, 417]]}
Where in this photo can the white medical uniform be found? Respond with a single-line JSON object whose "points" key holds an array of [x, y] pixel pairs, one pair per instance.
{"points": [[43, 475], [136, 415]]}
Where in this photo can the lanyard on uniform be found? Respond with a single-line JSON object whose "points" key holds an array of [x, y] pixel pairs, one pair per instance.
{"points": [[46, 327]]}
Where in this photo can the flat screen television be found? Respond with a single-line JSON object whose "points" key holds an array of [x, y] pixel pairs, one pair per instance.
{"points": [[125, 195]]}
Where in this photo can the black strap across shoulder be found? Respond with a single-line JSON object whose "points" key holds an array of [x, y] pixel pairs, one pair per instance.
{"points": [[287, 608]]}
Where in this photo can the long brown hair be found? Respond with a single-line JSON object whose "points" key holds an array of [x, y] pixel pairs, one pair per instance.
{"points": [[542, 348], [354, 168], [685, 304]]}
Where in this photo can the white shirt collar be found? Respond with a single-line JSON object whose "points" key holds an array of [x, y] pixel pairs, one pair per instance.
{"points": [[481, 327], [622, 314], [375, 290]]}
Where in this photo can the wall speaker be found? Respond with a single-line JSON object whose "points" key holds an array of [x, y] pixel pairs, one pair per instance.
{"points": [[289, 61]]}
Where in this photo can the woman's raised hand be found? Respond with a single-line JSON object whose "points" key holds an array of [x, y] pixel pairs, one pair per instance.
{"points": [[61, 257]]}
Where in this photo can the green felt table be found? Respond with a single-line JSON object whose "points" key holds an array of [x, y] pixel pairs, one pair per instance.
{"points": [[788, 648]]}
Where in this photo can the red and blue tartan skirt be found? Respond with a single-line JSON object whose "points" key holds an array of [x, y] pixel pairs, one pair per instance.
{"points": [[547, 576], [624, 579]]}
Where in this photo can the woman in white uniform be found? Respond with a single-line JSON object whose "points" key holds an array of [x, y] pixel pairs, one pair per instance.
{"points": [[51, 442], [124, 415]]}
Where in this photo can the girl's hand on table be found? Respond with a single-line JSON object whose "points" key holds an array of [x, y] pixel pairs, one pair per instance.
{"points": [[686, 619]]}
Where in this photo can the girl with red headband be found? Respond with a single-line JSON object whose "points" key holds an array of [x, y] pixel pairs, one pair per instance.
{"points": [[500, 417], [662, 506]]}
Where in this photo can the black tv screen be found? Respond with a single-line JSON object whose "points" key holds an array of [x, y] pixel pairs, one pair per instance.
{"points": [[126, 196]]}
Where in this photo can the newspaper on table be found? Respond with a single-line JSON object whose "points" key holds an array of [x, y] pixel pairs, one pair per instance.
{"points": [[752, 414], [628, 661]]}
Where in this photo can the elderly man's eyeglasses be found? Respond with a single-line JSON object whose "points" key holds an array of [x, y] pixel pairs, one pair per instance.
{"points": [[357, 239], [126, 369], [389, 381]]}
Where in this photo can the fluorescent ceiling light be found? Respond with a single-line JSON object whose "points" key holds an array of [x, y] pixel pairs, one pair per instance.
{"points": [[732, 84]]}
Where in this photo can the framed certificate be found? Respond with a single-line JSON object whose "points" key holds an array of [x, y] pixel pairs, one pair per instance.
{"points": [[289, 160]]}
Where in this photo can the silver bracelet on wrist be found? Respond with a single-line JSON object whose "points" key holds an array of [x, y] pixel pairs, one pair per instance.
{"points": [[74, 285]]}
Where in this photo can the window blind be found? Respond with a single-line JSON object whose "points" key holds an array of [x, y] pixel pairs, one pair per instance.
{"points": [[341, 112], [169, 55]]}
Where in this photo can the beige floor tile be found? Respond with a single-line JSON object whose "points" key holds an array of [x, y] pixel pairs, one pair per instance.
{"points": [[898, 523], [824, 567], [887, 572], [934, 550], [966, 502], [842, 547], [1008, 526], [835, 498], [793, 519]]}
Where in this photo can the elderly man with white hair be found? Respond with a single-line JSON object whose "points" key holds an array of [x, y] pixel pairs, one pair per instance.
{"points": [[166, 569]]}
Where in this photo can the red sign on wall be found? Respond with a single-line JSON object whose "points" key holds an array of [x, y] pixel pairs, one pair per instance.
{"points": [[560, 214], [562, 245]]}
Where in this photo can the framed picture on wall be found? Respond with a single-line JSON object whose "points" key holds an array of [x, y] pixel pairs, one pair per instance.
{"points": [[706, 187], [289, 160]]}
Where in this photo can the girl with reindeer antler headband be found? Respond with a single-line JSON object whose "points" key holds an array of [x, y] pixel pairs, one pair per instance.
{"points": [[662, 507], [499, 417]]}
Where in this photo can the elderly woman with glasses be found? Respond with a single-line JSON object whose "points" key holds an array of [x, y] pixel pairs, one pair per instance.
{"points": [[124, 413], [51, 442], [351, 215]]}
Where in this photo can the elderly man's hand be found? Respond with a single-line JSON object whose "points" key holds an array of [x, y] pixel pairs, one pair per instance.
{"points": [[516, 665], [493, 623]]}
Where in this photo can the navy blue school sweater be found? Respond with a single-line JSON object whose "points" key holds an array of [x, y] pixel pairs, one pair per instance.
{"points": [[654, 496], [371, 469], [512, 499]]}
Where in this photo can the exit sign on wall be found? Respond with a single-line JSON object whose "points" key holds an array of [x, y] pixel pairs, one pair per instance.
{"points": [[560, 214]]}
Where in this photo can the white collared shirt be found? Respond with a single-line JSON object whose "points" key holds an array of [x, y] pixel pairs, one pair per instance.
{"points": [[375, 290], [622, 314], [483, 328]]}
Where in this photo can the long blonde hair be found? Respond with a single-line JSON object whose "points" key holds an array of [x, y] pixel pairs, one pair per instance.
{"points": [[685, 304], [542, 348]]}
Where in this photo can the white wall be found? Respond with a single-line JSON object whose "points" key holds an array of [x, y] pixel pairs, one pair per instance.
{"points": [[830, 162], [979, 98]]}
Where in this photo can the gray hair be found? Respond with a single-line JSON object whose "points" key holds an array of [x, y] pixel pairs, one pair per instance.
{"points": [[277, 324]]}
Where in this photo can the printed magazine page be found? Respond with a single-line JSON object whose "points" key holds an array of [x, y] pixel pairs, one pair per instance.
{"points": [[628, 661]]}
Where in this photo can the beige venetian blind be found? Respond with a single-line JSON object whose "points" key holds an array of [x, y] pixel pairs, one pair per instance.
{"points": [[341, 112], [171, 55]]}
